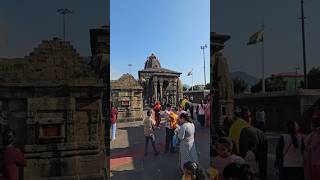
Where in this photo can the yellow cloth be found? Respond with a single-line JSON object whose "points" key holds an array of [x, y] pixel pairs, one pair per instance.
{"points": [[235, 131], [213, 173], [183, 103], [173, 119]]}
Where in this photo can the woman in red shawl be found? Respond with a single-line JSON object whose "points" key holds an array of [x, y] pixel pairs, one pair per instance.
{"points": [[13, 158], [157, 109]]}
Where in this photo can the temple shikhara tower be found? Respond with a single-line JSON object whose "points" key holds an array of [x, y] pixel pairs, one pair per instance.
{"points": [[160, 84]]}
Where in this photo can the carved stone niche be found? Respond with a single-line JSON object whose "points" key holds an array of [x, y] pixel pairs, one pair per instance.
{"points": [[51, 130], [51, 127]]}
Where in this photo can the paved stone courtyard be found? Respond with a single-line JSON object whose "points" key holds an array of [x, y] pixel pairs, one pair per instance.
{"points": [[128, 160]]}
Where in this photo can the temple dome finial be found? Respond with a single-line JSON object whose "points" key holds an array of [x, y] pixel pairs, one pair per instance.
{"points": [[152, 62]]}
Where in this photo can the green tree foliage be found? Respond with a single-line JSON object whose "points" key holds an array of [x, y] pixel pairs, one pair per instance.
{"points": [[239, 85], [314, 78], [272, 84], [207, 86], [185, 87]]}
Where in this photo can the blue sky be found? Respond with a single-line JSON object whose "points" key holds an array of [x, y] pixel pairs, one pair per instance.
{"points": [[173, 30], [283, 53], [24, 23]]}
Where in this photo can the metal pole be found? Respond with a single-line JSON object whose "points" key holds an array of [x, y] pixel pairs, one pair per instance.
{"points": [[263, 79], [262, 54], [295, 79], [192, 80], [63, 12], [303, 47], [204, 63], [64, 26]]}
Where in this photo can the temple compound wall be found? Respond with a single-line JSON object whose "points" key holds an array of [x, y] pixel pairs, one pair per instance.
{"points": [[53, 101], [282, 106], [196, 96]]}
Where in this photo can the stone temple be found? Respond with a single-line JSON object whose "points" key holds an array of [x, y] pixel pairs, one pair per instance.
{"points": [[126, 95], [53, 101], [160, 84]]}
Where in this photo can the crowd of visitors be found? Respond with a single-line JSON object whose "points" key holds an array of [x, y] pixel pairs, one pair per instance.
{"points": [[242, 152]]}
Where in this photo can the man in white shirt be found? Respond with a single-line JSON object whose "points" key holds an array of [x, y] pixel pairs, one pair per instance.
{"points": [[261, 119]]}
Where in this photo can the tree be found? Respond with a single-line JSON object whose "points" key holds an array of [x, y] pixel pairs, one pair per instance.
{"points": [[314, 78], [195, 88], [239, 85], [208, 86], [273, 83], [185, 87]]}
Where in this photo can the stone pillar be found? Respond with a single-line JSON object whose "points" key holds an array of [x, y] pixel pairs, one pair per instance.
{"points": [[155, 91], [161, 90]]}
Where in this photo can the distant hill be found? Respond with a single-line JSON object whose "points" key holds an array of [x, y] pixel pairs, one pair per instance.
{"points": [[251, 80]]}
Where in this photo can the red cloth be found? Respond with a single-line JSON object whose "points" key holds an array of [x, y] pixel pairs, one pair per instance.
{"points": [[114, 115], [13, 159], [157, 107]]}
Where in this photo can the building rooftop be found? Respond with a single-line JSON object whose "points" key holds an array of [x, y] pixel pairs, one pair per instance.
{"points": [[126, 81], [152, 65], [288, 74]]}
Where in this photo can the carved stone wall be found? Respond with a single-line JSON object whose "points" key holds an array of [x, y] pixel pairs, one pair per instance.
{"points": [[160, 84], [126, 95], [223, 94], [52, 100]]}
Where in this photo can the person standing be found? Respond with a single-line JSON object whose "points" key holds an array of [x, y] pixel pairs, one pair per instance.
{"points": [[242, 134], [171, 124], [188, 150], [208, 113], [113, 121], [201, 108], [312, 150], [184, 103], [157, 109], [191, 109], [225, 155], [192, 171], [261, 119], [251, 159], [148, 129], [13, 159], [289, 154]]}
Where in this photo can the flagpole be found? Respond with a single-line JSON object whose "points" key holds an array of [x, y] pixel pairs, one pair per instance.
{"points": [[192, 79], [262, 54], [303, 47]]}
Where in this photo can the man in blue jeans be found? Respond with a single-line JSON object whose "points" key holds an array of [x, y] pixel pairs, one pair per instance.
{"points": [[113, 121]]}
